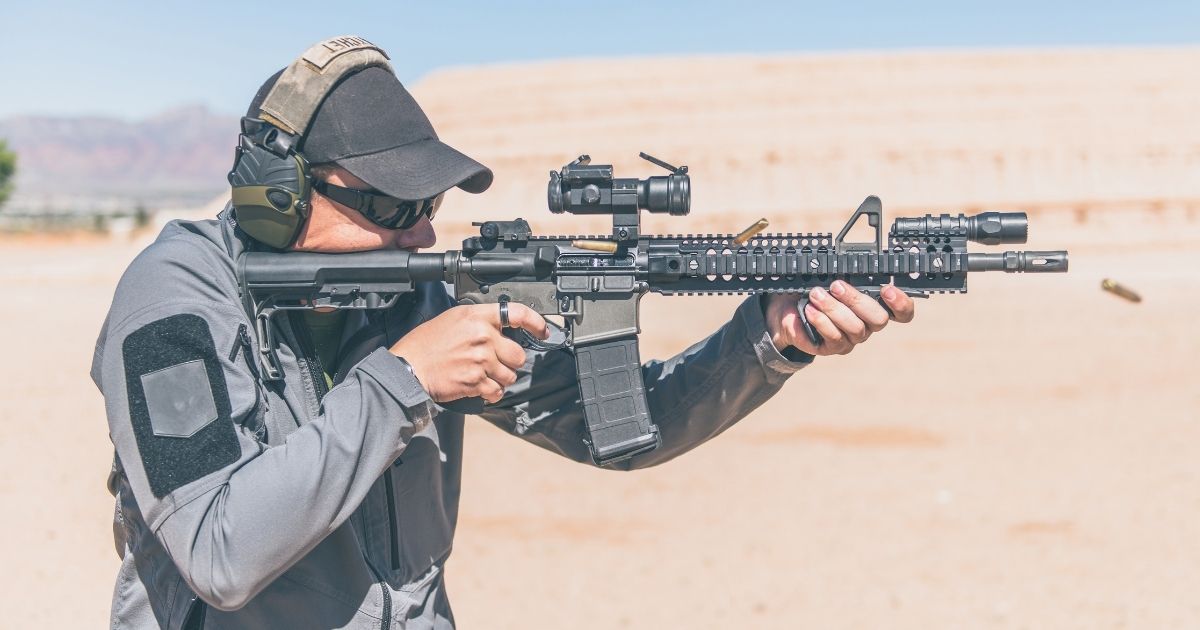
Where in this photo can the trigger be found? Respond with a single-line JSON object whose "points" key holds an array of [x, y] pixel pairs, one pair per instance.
{"points": [[559, 338]]}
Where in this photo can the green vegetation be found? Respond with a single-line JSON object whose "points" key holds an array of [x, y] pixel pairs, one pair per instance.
{"points": [[8, 168]]}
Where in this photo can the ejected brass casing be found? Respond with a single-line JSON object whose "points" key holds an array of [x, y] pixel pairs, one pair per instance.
{"points": [[750, 232], [1115, 288], [608, 247]]}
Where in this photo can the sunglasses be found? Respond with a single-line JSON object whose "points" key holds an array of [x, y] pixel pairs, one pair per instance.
{"points": [[386, 212]]}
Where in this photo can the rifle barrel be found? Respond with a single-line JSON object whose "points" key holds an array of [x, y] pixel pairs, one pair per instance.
{"points": [[1019, 262]]}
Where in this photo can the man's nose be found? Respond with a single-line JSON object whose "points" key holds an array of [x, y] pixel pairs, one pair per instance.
{"points": [[421, 235]]}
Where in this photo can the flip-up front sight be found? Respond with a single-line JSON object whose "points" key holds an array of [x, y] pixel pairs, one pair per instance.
{"points": [[585, 188]]}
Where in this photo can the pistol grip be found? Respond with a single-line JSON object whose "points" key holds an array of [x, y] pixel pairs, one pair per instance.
{"points": [[614, 400]]}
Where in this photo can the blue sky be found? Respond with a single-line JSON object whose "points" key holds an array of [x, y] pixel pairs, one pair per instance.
{"points": [[134, 59]]}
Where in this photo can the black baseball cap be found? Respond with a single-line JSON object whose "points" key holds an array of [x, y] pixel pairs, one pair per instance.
{"points": [[371, 126]]}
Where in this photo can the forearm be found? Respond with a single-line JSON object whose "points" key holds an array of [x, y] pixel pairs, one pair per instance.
{"points": [[280, 502]]}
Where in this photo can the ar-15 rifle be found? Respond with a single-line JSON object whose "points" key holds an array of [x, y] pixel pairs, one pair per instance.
{"points": [[595, 283]]}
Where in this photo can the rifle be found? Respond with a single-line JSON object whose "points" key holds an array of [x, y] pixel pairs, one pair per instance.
{"points": [[595, 283]]}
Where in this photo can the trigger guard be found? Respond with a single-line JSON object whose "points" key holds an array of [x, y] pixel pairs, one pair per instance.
{"points": [[528, 341]]}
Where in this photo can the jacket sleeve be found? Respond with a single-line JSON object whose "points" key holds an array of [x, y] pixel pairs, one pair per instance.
{"points": [[692, 397], [182, 403]]}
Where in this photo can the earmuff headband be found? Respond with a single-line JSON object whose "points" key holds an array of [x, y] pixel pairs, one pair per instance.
{"points": [[303, 86]]}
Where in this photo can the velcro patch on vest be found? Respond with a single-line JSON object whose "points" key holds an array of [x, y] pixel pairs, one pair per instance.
{"points": [[178, 402]]}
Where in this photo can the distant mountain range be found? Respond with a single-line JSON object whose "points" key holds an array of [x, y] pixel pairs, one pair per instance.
{"points": [[179, 157]]}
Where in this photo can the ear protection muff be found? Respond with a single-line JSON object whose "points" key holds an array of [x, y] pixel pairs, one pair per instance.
{"points": [[271, 184]]}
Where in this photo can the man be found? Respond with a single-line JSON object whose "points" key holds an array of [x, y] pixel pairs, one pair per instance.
{"points": [[329, 498]]}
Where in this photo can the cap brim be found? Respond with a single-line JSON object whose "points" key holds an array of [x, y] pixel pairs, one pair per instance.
{"points": [[419, 170]]}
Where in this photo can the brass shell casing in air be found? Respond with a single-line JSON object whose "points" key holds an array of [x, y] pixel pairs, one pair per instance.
{"points": [[750, 232], [608, 247], [1112, 286]]}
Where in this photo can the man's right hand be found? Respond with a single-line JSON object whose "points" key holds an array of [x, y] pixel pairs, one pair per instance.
{"points": [[461, 353]]}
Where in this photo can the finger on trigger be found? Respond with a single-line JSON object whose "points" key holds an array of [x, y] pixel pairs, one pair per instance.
{"points": [[521, 316]]}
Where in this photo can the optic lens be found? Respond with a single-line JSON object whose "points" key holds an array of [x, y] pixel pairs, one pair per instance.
{"points": [[670, 194]]}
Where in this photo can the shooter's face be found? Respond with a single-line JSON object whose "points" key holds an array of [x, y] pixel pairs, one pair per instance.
{"points": [[334, 228]]}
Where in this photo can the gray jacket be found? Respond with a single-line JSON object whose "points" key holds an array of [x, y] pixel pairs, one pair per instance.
{"points": [[247, 504]]}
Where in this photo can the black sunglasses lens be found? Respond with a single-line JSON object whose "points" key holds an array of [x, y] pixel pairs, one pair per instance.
{"points": [[386, 212], [409, 213], [404, 221], [383, 212]]}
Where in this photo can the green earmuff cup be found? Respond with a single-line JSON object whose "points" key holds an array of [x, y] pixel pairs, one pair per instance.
{"points": [[270, 194]]}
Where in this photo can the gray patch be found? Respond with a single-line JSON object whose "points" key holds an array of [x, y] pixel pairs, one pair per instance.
{"points": [[179, 399]]}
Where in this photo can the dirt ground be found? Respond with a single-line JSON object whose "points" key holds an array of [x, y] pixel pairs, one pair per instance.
{"points": [[1023, 456]]}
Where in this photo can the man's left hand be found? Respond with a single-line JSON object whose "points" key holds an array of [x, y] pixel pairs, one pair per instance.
{"points": [[842, 315]]}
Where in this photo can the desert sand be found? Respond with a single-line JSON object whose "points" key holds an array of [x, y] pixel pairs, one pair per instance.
{"points": [[1023, 456]]}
